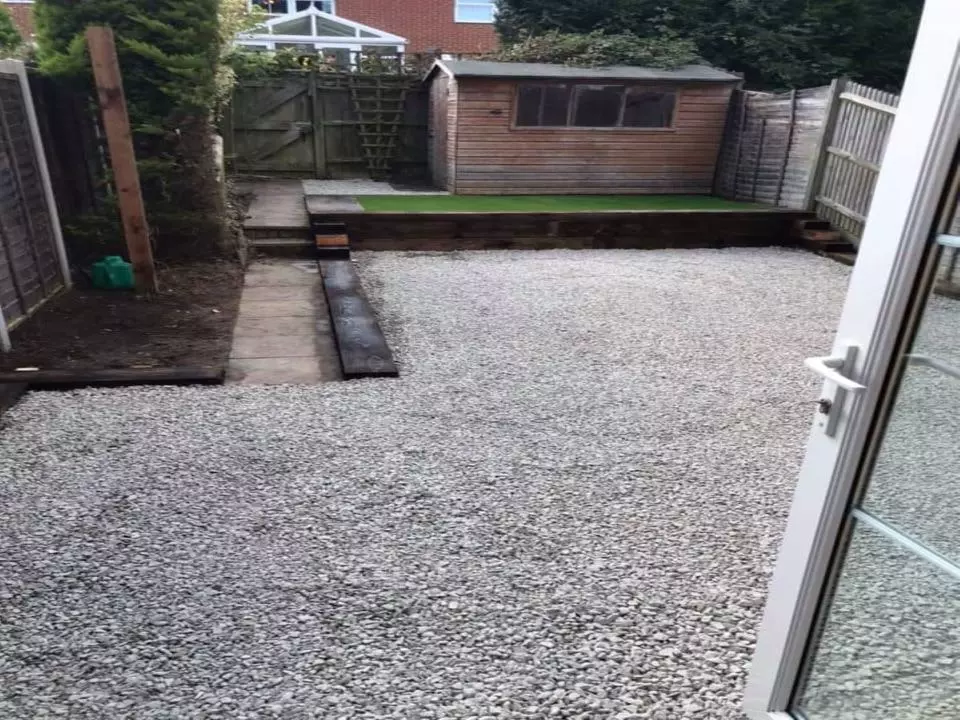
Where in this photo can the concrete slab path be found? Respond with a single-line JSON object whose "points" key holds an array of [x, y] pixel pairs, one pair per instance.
{"points": [[283, 332]]}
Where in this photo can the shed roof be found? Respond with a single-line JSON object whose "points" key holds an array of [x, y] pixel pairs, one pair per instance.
{"points": [[530, 71]]}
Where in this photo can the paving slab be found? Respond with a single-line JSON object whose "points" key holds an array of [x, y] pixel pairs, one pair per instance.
{"points": [[276, 203], [274, 346], [275, 371], [274, 293], [363, 187], [278, 273], [252, 326], [278, 308], [323, 204]]}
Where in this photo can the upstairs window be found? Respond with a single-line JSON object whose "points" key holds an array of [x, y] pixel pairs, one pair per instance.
{"points": [[595, 106], [283, 7], [474, 11], [273, 7], [321, 5]]}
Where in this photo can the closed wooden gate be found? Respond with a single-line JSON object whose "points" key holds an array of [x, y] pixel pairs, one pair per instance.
{"points": [[307, 124], [273, 127], [32, 260]]}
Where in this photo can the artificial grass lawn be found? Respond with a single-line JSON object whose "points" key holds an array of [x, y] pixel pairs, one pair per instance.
{"points": [[545, 203]]}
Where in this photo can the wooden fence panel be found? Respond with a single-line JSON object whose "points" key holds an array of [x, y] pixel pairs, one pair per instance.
{"points": [[305, 124], [72, 139], [768, 146], [851, 156]]}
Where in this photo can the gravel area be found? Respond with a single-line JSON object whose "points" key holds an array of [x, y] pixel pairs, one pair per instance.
{"points": [[568, 506]]}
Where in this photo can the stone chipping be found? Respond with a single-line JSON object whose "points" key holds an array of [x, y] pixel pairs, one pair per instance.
{"points": [[567, 506]]}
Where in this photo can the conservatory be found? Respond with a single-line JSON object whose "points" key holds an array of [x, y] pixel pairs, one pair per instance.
{"points": [[314, 30]]}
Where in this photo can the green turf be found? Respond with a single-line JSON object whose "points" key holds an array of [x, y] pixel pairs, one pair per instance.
{"points": [[545, 203]]}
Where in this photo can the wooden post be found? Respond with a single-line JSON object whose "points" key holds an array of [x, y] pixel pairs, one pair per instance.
{"points": [[319, 130], [786, 152], [116, 125], [741, 130], [818, 166]]}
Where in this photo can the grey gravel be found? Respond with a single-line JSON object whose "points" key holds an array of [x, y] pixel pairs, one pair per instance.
{"points": [[568, 506]]}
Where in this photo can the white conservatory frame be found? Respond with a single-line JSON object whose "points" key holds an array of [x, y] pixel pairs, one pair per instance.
{"points": [[265, 37]]}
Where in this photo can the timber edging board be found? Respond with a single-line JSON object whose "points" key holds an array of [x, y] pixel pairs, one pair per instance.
{"points": [[642, 230], [10, 394], [119, 377], [362, 348]]}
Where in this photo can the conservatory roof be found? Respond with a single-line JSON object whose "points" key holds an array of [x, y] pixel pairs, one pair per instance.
{"points": [[312, 25]]}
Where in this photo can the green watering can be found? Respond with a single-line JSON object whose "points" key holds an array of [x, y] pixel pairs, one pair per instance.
{"points": [[113, 273]]}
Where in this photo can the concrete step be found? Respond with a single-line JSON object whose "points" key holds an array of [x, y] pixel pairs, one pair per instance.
{"points": [[284, 246]]}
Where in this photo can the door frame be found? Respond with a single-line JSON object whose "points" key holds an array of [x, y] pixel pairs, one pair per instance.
{"points": [[898, 235]]}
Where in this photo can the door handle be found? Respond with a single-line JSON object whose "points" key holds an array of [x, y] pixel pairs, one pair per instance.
{"points": [[833, 368], [830, 368]]}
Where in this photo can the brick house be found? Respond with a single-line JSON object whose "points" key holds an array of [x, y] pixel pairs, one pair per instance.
{"points": [[21, 12], [448, 26]]}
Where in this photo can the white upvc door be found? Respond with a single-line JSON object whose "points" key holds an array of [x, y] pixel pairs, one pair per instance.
{"points": [[868, 578]]}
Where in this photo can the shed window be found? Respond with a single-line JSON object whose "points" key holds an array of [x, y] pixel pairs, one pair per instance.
{"points": [[543, 105], [596, 106], [648, 108]]}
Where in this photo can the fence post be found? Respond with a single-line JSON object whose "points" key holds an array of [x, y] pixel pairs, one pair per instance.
{"points": [[116, 125], [786, 151], [756, 169], [741, 130], [831, 112], [319, 131]]}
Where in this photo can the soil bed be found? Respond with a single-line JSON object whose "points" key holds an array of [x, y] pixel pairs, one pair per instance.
{"points": [[189, 323]]}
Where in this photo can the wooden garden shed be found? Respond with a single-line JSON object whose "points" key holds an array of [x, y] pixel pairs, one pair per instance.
{"points": [[532, 128]]}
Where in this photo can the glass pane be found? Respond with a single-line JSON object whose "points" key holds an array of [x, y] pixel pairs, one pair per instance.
{"points": [[915, 483], [650, 109], [889, 645], [556, 100], [300, 26], [474, 12], [528, 105], [329, 28], [598, 105]]}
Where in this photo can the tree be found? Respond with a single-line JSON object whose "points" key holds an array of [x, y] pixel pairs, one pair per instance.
{"points": [[776, 44], [597, 48], [169, 52], [10, 41]]}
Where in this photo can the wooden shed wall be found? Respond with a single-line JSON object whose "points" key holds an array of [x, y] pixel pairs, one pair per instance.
{"points": [[489, 156]]}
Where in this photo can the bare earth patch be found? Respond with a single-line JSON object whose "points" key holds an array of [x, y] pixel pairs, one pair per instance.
{"points": [[189, 323]]}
